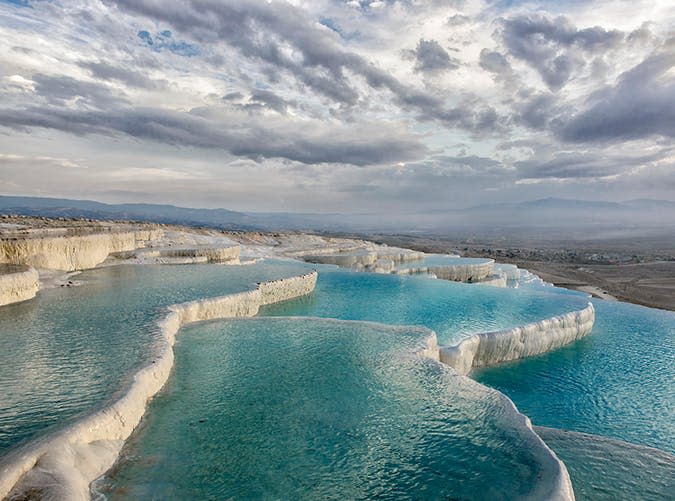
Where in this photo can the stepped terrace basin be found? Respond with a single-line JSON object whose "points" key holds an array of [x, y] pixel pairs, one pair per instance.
{"points": [[351, 358], [69, 350], [453, 310], [616, 383], [301, 408]]}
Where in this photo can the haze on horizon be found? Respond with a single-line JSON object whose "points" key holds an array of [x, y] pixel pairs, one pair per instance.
{"points": [[337, 106]]}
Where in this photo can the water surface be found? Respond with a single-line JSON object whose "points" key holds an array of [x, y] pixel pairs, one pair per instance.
{"points": [[453, 310], [284, 408], [616, 382], [69, 350]]}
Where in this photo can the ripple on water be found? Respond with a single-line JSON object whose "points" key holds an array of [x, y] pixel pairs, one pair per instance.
{"points": [[617, 382], [274, 408], [603, 469], [69, 350]]}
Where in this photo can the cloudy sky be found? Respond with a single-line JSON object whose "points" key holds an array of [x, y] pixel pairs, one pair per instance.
{"points": [[335, 105]]}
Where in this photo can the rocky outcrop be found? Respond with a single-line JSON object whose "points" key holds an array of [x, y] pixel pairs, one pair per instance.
{"points": [[72, 252], [18, 283], [490, 348], [63, 465]]}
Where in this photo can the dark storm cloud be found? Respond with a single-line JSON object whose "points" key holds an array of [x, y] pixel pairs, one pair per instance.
{"points": [[553, 46], [59, 89], [497, 64], [537, 111], [246, 138], [129, 77], [641, 104], [269, 100], [233, 96], [260, 30], [431, 57], [494, 62]]}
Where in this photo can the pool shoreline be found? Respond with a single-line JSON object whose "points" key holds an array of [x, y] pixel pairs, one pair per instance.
{"points": [[83, 451]]}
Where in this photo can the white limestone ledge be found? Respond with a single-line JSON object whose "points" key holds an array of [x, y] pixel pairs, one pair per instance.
{"points": [[72, 252], [62, 466], [18, 283], [490, 348], [184, 254], [468, 272], [377, 258], [495, 280]]}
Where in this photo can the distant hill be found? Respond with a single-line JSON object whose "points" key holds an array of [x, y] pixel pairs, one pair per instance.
{"points": [[169, 214], [543, 218]]}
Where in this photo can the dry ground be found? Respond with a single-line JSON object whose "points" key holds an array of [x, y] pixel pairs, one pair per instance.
{"points": [[633, 271]]}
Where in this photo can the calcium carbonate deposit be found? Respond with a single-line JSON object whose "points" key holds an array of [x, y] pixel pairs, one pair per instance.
{"points": [[346, 384], [17, 283]]}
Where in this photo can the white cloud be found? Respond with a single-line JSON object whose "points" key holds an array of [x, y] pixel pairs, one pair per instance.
{"points": [[327, 84]]}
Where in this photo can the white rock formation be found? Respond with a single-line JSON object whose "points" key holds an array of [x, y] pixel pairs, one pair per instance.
{"points": [[490, 348], [345, 260], [184, 254], [72, 252], [362, 255], [18, 285], [468, 272], [510, 271], [474, 272], [62, 466], [497, 280]]}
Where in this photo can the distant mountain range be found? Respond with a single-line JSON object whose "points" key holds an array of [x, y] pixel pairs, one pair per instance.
{"points": [[541, 216], [169, 214]]}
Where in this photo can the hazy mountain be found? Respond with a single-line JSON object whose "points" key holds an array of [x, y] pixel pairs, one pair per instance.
{"points": [[543, 218], [57, 207]]}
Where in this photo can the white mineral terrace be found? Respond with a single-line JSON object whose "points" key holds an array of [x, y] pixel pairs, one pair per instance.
{"points": [[465, 272], [491, 348], [184, 254], [72, 252], [62, 466], [367, 257], [17, 283]]}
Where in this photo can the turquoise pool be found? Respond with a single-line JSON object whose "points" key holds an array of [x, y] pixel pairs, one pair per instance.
{"points": [[324, 395], [278, 408], [69, 350]]}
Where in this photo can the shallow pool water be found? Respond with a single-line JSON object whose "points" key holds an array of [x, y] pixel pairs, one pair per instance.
{"points": [[604, 469], [454, 310], [616, 382], [69, 350], [318, 409], [313, 408]]}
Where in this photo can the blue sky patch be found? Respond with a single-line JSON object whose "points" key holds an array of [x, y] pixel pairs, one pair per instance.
{"points": [[18, 3], [165, 40]]}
